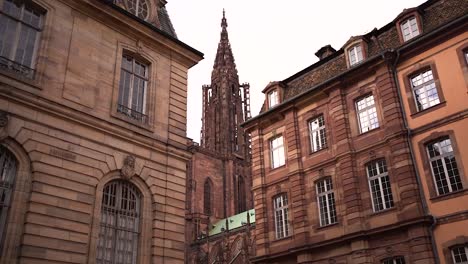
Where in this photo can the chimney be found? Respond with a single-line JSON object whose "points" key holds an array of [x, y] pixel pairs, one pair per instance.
{"points": [[324, 52]]}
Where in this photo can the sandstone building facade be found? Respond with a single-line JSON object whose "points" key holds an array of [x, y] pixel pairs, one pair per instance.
{"points": [[92, 132], [359, 158], [219, 221]]}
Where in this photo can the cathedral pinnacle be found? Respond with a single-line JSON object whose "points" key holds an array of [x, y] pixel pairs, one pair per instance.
{"points": [[224, 21]]}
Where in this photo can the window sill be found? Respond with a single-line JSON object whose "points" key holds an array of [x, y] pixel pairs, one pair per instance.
{"points": [[277, 168], [384, 211], [282, 238], [132, 121], [21, 78], [369, 131], [428, 110], [327, 226], [447, 196], [318, 151]]}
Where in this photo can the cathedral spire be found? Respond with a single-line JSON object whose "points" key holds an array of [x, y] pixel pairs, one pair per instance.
{"points": [[226, 103]]}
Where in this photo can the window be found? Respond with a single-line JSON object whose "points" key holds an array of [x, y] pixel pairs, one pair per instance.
{"points": [[7, 180], [133, 89], [318, 137], [424, 90], [138, 7], [281, 216], [379, 184], [396, 260], [459, 254], [367, 114], [326, 202], [241, 195], [272, 98], [207, 201], [444, 166], [120, 224], [465, 54], [277, 152], [355, 55], [409, 28], [20, 28]]}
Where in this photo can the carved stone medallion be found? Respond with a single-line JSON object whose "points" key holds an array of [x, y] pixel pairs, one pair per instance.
{"points": [[128, 169]]}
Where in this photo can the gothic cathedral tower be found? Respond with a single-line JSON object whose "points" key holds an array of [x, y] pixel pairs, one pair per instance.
{"points": [[219, 179]]}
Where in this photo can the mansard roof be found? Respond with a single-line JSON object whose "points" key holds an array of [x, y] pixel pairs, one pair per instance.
{"points": [[434, 15]]}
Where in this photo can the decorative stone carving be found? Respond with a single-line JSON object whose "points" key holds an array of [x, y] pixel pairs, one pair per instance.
{"points": [[128, 168], [3, 119]]}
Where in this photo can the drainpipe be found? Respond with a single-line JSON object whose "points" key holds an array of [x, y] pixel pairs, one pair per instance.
{"points": [[418, 178]]}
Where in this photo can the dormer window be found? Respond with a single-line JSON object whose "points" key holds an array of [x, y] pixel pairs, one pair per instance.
{"points": [[273, 98], [355, 55], [409, 28], [139, 8]]}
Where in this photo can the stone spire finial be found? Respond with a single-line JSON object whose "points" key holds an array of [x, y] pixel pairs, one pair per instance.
{"points": [[224, 21]]}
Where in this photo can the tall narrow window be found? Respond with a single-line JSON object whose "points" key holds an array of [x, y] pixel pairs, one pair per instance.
{"points": [[326, 202], [207, 195], [379, 184], [272, 98], [424, 90], [133, 89], [7, 181], [120, 224], [355, 55], [367, 114], [241, 203], [444, 166], [409, 28], [395, 260], [318, 137], [460, 254], [280, 203], [277, 152], [20, 28]]}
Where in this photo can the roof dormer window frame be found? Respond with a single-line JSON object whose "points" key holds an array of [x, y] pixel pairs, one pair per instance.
{"points": [[355, 51], [409, 25], [273, 98]]}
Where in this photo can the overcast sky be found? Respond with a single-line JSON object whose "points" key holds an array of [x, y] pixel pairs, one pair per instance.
{"points": [[271, 39]]}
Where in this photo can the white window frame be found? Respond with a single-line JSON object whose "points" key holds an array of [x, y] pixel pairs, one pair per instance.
{"points": [[126, 108], [280, 205], [9, 61], [273, 98], [326, 202], [317, 134], [382, 180], [395, 260], [366, 112], [441, 158], [410, 24], [465, 254], [277, 154], [356, 53], [423, 85]]}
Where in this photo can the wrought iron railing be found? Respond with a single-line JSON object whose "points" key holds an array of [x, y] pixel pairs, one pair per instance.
{"points": [[132, 113], [16, 67]]}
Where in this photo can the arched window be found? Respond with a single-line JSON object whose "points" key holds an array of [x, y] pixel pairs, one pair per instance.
{"points": [[207, 197], [120, 224], [7, 179], [138, 7]]}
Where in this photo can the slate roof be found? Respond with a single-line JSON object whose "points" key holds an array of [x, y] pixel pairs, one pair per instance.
{"points": [[165, 21], [434, 13]]}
